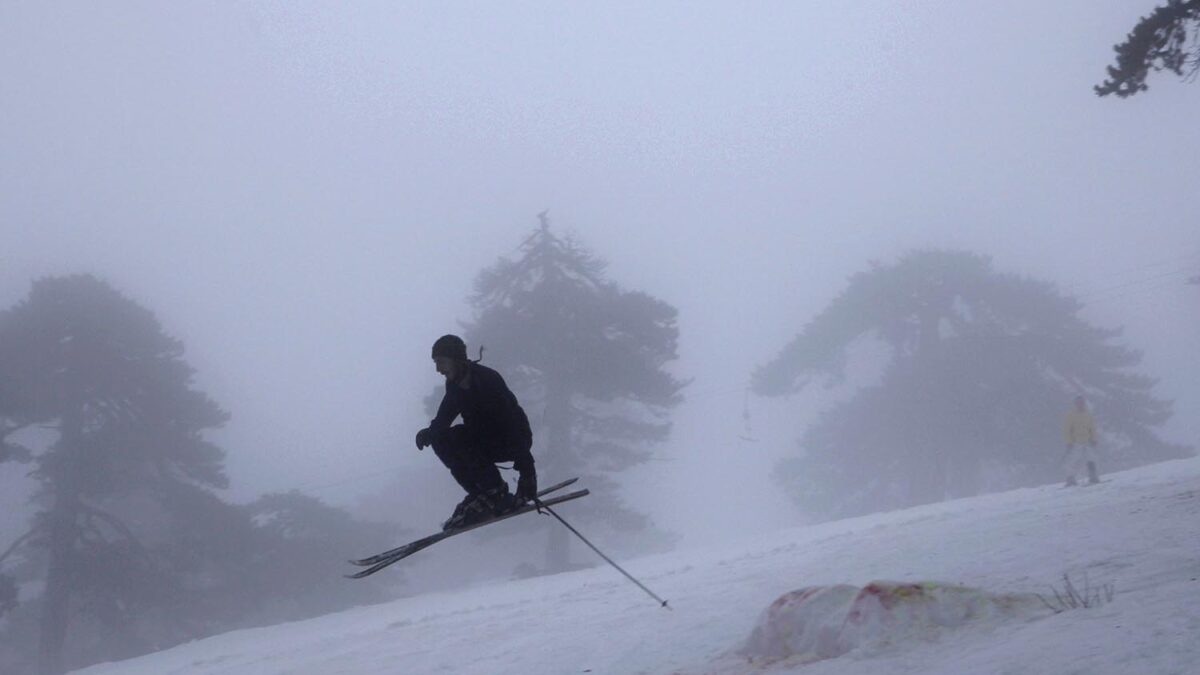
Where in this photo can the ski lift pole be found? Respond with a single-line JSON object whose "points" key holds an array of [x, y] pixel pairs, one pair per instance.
{"points": [[547, 509]]}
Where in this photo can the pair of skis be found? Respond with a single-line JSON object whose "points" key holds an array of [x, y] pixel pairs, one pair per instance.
{"points": [[379, 561]]}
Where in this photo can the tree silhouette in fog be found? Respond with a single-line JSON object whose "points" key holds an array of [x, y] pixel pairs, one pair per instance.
{"points": [[1166, 39], [129, 442], [587, 360], [136, 549], [980, 368], [299, 550], [15, 417]]}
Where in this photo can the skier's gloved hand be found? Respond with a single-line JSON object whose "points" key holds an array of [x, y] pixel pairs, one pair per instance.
{"points": [[527, 486], [424, 438]]}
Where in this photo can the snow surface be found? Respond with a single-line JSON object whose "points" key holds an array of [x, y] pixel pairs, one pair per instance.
{"points": [[1139, 530]]}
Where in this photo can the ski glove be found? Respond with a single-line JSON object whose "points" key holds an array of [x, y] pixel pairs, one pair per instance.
{"points": [[424, 438], [527, 486]]}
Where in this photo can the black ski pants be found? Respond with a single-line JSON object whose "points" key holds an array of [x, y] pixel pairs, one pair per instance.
{"points": [[472, 464]]}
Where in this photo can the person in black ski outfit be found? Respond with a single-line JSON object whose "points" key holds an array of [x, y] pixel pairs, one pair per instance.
{"points": [[494, 429]]}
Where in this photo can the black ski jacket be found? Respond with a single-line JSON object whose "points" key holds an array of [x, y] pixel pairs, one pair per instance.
{"points": [[490, 413]]}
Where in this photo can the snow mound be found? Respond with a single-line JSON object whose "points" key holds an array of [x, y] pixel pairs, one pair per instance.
{"points": [[823, 622]]}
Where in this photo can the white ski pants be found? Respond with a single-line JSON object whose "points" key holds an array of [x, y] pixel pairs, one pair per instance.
{"points": [[1076, 459]]}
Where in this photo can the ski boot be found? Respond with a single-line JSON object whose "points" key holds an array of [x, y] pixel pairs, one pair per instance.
{"points": [[488, 504], [457, 518]]}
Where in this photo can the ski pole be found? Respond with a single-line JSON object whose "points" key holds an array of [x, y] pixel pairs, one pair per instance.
{"points": [[592, 546]]}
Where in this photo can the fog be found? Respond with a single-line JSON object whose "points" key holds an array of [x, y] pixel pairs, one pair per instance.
{"points": [[304, 194]]}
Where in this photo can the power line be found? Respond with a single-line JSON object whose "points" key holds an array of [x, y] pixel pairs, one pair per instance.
{"points": [[1157, 277], [1122, 290], [352, 479], [1136, 292], [1140, 268]]}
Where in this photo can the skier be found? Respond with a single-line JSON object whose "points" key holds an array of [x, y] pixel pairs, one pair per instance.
{"points": [[494, 429], [1080, 431]]}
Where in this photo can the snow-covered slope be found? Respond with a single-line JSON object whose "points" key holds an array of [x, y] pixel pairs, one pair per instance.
{"points": [[1139, 530]]}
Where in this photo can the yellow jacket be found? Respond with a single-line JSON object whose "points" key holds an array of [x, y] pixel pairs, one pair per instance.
{"points": [[1080, 428]]}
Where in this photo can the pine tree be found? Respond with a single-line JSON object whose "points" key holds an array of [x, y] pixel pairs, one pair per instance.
{"points": [[99, 367], [136, 550], [587, 360], [1166, 39], [312, 541], [14, 418], [981, 368]]}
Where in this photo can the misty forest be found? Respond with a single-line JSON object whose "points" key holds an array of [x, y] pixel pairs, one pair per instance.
{"points": [[225, 268]]}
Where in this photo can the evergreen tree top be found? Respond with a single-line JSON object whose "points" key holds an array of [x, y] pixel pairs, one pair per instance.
{"points": [[544, 259], [927, 296], [552, 311], [81, 351]]}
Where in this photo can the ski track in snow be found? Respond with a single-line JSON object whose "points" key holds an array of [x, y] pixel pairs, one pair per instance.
{"points": [[1139, 530]]}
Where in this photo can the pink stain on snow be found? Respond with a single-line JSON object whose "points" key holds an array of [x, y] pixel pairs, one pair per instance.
{"points": [[821, 622]]}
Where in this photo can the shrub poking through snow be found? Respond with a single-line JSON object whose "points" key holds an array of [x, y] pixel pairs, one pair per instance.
{"points": [[1071, 597]]}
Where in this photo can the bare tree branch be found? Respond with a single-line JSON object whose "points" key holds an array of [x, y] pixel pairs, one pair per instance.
{"points": [[116, 524], [21, 540]]}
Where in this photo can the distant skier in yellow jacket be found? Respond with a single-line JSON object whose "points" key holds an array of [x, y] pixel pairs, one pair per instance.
{"points": [[1080, 432]]}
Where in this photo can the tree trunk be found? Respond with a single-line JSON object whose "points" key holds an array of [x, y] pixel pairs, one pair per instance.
{"points": [[929, 465], [928, 475], [56, 597], [964, 479], [558, 558], [558, 431]]}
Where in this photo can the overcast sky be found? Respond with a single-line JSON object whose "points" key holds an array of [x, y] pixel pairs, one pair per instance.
{"points": [[304, 192]]}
